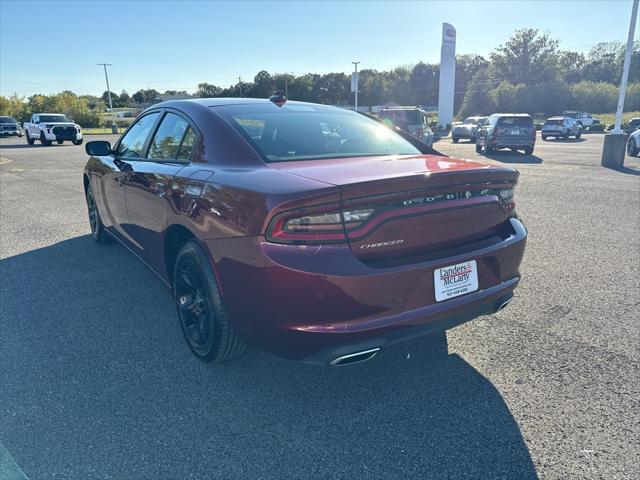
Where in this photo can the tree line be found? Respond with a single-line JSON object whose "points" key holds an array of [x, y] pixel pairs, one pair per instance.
{"points": [[529, 73]]}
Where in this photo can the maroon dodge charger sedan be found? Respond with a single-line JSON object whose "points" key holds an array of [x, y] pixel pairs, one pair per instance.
{"points": [[312, 232]]}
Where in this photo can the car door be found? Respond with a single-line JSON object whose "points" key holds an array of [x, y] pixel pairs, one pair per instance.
{"points": [[129, 150], [150, 183], [34, 131]]}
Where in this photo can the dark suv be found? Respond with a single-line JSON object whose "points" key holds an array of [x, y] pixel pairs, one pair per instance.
{"points": [[507, 130]]}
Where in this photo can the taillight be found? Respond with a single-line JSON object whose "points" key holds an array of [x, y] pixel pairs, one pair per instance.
{"points": [[421, 133], [316, 227], [495, 135], [507, 198], [533, 134]]}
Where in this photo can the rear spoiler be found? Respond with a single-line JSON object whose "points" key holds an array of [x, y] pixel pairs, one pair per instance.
{"points": [[423, 147]]}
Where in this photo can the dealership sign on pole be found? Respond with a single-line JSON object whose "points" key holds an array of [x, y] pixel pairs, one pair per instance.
{"points": [[447, 74]]}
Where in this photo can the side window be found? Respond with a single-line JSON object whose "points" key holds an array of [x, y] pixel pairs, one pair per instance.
{"points": [[168, 138], [132, 144], [188, 141]]}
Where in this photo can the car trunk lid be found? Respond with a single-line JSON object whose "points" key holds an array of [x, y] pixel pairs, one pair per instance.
{"points": [[419, 203]]}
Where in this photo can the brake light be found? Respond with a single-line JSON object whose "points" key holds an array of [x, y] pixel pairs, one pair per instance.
{"points": [[316, 228], [495, 135], [507, 198]]}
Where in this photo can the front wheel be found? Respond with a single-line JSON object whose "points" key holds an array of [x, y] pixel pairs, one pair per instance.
{"points": [[632, 148], [59, 142], [98, 232], [203, 315], [455, 140], [544, 137], [44, 141], [77, 142], [578, 135], [528, 150], [30, 140], [478, 148]]}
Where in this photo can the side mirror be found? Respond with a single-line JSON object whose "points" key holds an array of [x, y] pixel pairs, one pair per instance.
{"points": [[98, 148]]}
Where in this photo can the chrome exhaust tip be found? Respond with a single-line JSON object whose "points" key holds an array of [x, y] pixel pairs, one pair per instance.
{"points": [[356, 357], [504, 304]]}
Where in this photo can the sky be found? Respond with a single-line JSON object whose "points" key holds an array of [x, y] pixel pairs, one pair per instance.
{"points": [[47, 47]]}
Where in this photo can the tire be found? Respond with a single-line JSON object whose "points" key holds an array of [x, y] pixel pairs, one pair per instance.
{"points": [[487, 149], [544, 137], [202, 314], [565, 136], [98, 232], [478, 148], [44, 141], [632, 148], [578, 135], [455, 140], [30, 140], [77, 142], [59, 142], [514, 149], [528, 150]]}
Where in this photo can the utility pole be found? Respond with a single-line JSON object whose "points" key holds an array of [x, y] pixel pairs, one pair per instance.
{"points": [[354, 82], [240, 83], [615, 142], [114, 128]]}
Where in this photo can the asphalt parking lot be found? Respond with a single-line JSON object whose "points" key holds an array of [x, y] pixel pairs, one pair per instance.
{"points": [[96, 380]]}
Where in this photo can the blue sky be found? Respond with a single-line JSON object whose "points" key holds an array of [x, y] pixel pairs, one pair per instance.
{"points": [[50, 46]]}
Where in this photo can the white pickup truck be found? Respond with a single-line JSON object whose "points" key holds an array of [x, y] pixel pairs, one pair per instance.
{"points": [[583, 118], [52, 127]]}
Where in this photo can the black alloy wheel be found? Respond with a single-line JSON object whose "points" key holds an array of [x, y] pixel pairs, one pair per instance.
{"points": [[202, 314], [98, 232]]}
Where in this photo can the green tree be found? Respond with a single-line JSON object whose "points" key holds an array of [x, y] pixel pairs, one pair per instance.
{"points": [[528, 57], [207, 90]]}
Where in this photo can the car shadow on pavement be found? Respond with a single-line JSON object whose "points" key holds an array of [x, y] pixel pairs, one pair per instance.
{"points": [[513, 157], [564, 140], [626, 170], [14, 146], [97, 379]]}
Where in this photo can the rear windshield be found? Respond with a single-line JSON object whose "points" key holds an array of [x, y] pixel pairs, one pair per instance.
{"points": [[402, 117], [553, 122], [516, 121], [7, 120], [308, 132], [472, 120], [53, 118]]}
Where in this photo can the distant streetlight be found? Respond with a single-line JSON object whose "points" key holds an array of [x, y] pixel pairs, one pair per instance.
{"points": [[354, 82], [114, 128], [615, 142]]}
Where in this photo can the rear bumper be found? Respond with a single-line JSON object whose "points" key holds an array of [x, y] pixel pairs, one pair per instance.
{"points": [[316, 303], [491, 302], [463, 134]]}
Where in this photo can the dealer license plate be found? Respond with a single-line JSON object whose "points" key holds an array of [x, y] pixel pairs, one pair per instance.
{"points": [[455, 280]]}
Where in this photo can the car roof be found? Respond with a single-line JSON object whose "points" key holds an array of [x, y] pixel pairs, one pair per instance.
{"points": [[558, 117]]}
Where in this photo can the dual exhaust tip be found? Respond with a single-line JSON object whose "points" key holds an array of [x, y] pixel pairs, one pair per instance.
{"points": [[364, 355], [356, 357]]}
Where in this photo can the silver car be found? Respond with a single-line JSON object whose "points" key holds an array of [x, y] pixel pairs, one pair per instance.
{"points": [[467, 129], [561, 127]]}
